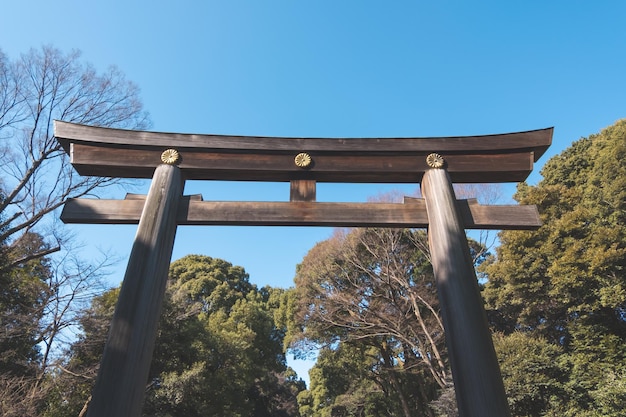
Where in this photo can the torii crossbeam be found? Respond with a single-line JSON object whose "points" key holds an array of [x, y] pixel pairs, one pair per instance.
{"points": [[171, 158]]}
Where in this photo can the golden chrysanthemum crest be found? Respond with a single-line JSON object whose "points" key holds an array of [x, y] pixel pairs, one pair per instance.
{"points": [[170, 156], [303, 160], [434, 160]]}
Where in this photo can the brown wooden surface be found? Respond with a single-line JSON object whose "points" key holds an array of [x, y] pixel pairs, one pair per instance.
{"points": [[125, 153], [194, 211], [89, 159], [536, 140], [302, 190], [123, 372], [475, 370], [503, 217]]}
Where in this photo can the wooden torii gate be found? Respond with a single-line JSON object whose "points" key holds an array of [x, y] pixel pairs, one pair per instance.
{"points": [[170, 159]]}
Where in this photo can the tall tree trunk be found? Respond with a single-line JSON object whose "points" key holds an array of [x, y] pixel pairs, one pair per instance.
{"points": [[406, 409]]}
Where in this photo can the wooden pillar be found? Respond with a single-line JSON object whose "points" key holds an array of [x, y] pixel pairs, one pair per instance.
{"points": [[302, 190], [123, 374], [475, 370]]}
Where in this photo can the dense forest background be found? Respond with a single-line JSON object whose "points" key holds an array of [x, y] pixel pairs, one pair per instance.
{"points": [[363, 302]]}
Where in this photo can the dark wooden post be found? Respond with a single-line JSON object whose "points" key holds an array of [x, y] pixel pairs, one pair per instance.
{"points": [[475, 370], [123, 374]]}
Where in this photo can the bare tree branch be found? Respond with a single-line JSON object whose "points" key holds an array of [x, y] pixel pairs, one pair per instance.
{"points": [[368, 285], [42, 86], [44, 283]]}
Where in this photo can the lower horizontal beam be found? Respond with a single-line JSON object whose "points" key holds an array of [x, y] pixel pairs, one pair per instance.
{"points": [[193, 211]]}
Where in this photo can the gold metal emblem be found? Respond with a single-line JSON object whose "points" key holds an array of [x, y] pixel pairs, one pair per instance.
{"points": [[434, 160], [303, 160], [170, 156]]}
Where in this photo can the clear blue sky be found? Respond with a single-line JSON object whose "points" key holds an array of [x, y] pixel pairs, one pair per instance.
{"points": [[337, 68]]}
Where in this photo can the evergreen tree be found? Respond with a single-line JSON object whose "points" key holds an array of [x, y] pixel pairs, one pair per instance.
{"points": [[218, 350], [566, 282], [23, 290]]}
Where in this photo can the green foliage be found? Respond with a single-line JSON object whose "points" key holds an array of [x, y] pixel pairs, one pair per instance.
{"points": [[342, 384], [565, 285], [532, 371], [23, 290], [218, 350], [71, 388], [610, 397]]}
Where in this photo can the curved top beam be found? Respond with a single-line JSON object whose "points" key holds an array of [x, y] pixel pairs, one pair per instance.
{"points": [[130, 153], [536, 140]]}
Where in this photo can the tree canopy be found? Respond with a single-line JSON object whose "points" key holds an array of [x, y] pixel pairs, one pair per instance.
{"points": [[367, 298], [566, 283], [228, 352], [218, 350]]}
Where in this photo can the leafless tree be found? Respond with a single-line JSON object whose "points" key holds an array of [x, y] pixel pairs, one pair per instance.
{"points": [[365, 284], [41, 86], [36, 179]]}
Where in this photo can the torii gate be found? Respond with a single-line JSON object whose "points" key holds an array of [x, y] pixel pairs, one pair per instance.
{"points": [[171, 158]]}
